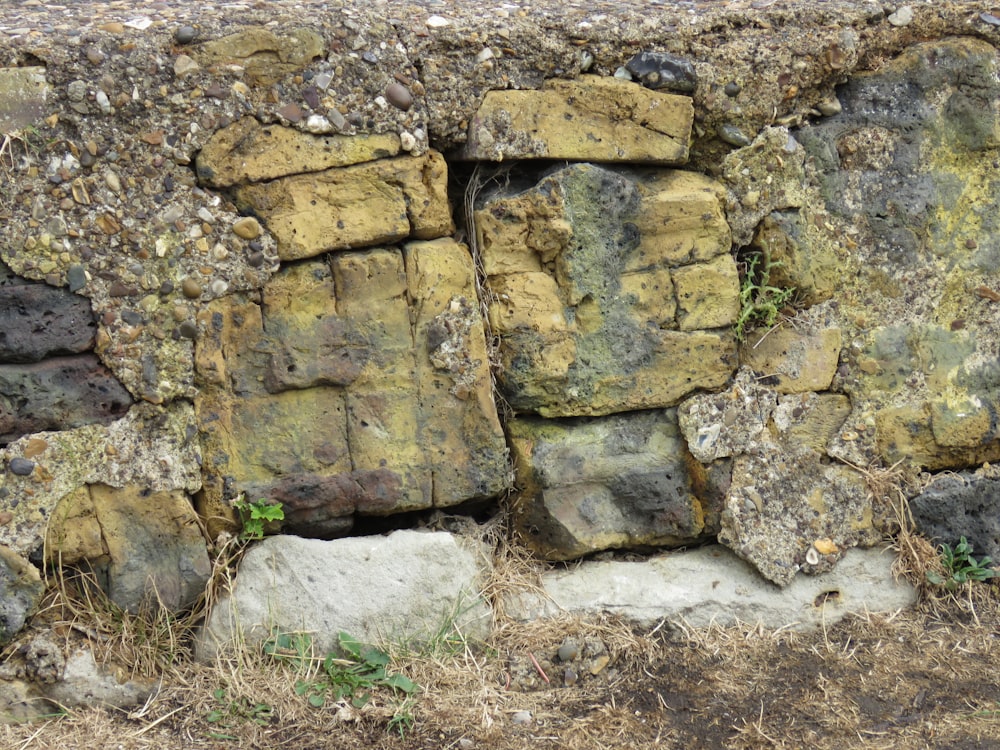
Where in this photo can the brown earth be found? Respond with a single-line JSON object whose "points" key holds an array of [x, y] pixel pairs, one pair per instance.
{"points": [[928, 677]]}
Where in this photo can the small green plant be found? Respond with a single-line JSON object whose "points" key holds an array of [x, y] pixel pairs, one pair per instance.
{"points": [[255, 514], [960, 566], [760, 302], [236, 711], [351, 675]]}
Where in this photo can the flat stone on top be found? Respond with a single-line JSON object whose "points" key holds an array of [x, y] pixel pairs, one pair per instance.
{"points": [[588, 119]]}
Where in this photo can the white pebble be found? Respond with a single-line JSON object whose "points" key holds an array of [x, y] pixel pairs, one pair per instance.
{"points": [[318, 124], [219, 287], [902, 17], [484, 55], [438, 22], [103, 102], [407, 141]]}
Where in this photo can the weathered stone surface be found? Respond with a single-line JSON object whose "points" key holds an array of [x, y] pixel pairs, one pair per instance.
{"points": [[151, 447], [360, 386], [581, 270], [156, 551], [707, 294], [247, 151], [606, 483], [710, 586], [794, 361], [21, 589], [143, 544], [39, 321], [788, 508], [23, 94], [962, 504], [58, 393], [932, 392], [84, 682], [367, 204], [587, 119], [267, 57], [405, 585]]}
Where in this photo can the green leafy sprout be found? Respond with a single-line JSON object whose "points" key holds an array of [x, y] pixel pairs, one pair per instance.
{"points": [[254, 515], [760, 302], [230, 712], [351, 675], [960, 566]]}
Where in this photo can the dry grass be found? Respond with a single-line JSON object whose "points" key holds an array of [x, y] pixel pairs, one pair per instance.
{"points": [[927, 677]]}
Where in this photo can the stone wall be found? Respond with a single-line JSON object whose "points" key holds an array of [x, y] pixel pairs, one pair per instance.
{"points": [[305, 262]]}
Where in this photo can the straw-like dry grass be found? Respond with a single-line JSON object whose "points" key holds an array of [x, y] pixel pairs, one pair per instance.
{"points": [[924, 678]]}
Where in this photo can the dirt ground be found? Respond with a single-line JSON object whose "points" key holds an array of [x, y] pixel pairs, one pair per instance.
{"points": [[928, 677]]}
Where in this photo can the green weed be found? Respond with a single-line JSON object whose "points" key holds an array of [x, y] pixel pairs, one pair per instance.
{"points": [[760, 302], [254, 515], [960, 566]]}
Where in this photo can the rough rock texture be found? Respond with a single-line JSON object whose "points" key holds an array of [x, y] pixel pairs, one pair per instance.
{"points": [[962, 504], [403, 586], [21, 589], [709, 586], [905, 175], [360, 385], [583, 268], [38, 321], [147, 545], [58, 393], [589, 119], [151, 447], [600, 483], [788, 508], [367, 204], [23, 94]]}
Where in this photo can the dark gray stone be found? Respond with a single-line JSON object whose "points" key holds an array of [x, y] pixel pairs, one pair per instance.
{"points": [[21, 589], [39, 321], [58, 394], [661, 70], [961, 504], [22, 467]]}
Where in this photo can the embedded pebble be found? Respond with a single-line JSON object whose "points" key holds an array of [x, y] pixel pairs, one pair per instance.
{"points": [[188, 329], [902, 17], [185, 34], [438, 22], [184, 65], [407, 141], [22, 467], [95, 56], [733, 135], [732, 89], [399, 96], [569, 650], [219, 287], [829, 107], [76, 277], [248, 228], [662, 70], [191, 288]]}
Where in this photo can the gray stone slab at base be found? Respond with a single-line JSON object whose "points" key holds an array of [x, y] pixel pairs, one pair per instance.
{"points": [[407, 585], [711, 585]]}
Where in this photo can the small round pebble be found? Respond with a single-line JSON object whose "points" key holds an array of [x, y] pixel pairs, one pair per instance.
{"points": [[191, 288], [76, 277], [732, 89], [399, 96], [22, 467], [248, 228], [569, 650], [188, 329], [185, 34]]}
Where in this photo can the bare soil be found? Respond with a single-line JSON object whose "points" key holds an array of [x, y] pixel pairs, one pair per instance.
{"points": [[928, 677]]}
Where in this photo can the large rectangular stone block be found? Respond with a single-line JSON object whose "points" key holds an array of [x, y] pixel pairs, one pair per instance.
{"points": [[587, 119], [367, 204], [610, 290]]}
